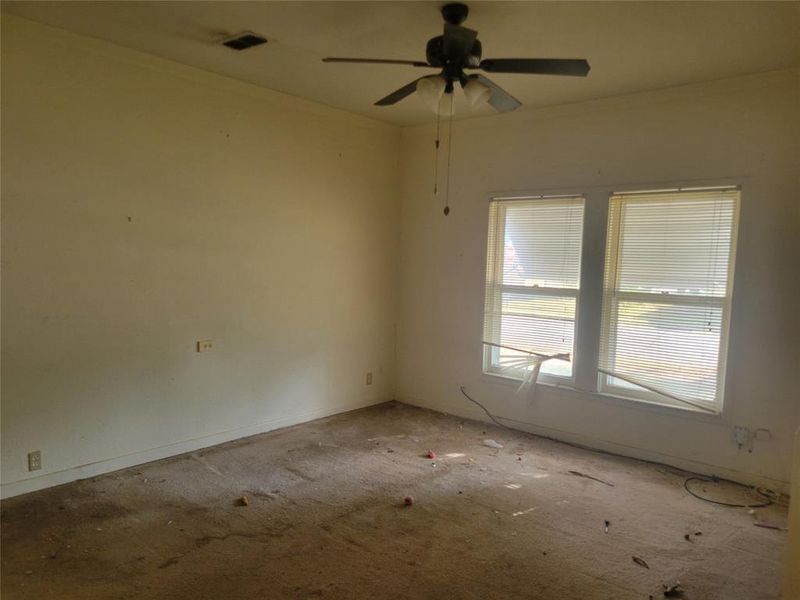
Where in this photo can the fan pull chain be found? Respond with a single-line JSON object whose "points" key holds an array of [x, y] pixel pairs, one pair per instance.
{"points": [[436, 160], [449, 153]]}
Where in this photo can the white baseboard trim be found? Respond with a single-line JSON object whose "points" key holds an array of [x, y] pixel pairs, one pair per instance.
{"points": [[40, 482], [602, 445]]}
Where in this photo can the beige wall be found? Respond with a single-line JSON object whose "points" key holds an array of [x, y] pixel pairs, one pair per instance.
{"points": [[146, 206], [743, 130]]}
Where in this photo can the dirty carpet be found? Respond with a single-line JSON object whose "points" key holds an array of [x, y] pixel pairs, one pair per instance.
{"points": [[325, 515]]}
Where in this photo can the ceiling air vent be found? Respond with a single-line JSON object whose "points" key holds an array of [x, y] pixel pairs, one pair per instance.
{"points": [[244, 40]]}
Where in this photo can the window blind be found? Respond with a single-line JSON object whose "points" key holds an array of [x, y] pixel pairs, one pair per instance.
{"points": [[532, 281], [667, 290]]}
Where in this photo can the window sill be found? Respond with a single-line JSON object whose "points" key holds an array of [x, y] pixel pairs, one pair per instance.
{"points": [[568, 388], [662, 405], [544, 379]]}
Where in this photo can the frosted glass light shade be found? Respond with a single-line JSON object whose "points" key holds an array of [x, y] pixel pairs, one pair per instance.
{"points": [[475, 92], [447, 105], [431, 89]]}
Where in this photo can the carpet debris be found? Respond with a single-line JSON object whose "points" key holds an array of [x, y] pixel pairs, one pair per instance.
{"points": [[243, 501], [688, 536], [592, 477], [524, 512], [606, 525], [766, 525], [673, 590], [409, 501], [492, 444], [640, 561], [430, 454]]}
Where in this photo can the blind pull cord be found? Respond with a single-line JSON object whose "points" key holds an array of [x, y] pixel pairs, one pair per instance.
{"points": [[436, 153], [449, 154]]}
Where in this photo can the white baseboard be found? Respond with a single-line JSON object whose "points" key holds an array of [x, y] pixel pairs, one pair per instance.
{"points": [[40, 482], [32, 484], [619, 449]]}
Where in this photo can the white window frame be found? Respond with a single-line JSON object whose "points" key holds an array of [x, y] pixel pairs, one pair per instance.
{"points": [[494, 289], [585, 381], [613, 296]]}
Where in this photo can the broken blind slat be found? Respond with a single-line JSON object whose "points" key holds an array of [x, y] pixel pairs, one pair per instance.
{"points": [[532, 280], [666, 304]]}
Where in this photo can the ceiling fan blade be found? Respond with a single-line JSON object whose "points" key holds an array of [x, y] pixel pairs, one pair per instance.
{"points": [[398, 95], [458, 41], [380, 61], [576, 67], [499, 99]]}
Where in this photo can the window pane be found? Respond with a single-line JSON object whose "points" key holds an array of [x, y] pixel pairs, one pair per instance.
{"points": [[670, 347], [543, 243], [671, 247], [544, 324], [535, 244], [668, 267]]}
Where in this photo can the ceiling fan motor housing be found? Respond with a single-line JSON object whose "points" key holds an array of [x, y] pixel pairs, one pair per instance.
{"points": [[434, 53], [455, 13]]}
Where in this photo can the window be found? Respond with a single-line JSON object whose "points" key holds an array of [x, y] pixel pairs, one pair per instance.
{"points": [[667, 295], [532, 281]]}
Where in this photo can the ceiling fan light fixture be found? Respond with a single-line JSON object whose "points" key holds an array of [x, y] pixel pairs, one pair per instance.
{"points": [[457, 49], [476, 93], [431, 90]]}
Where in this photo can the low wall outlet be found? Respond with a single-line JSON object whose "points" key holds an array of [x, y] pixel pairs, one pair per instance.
{"points": [[743, 437], [205, 346], [34, 460], [369, 378], [762, 435]]}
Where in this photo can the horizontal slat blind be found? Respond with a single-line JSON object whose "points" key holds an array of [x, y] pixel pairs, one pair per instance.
{"points": [[532, 280], [667, 293], [543, 242]]}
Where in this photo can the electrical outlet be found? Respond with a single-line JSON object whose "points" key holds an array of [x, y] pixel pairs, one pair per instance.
{"points": [[762, 435], [205, 346], [369, 378], [743, 437], [34, 460]]}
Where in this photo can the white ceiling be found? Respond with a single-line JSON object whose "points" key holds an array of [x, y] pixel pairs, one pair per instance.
{"points": [[631, 46]]}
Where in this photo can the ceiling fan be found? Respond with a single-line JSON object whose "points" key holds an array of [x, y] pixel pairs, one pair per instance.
{"points": [[459, 49]]}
